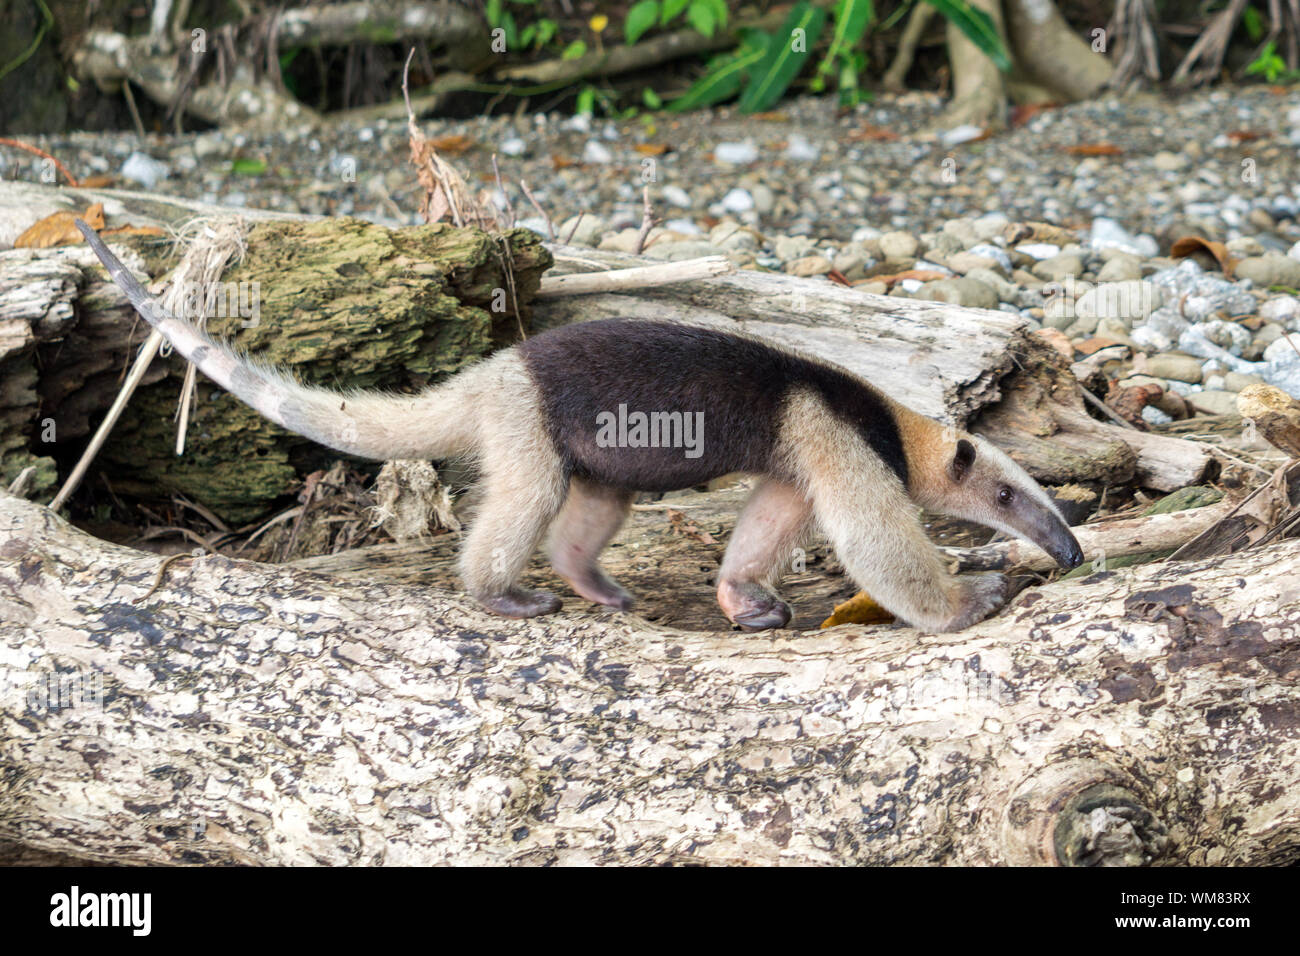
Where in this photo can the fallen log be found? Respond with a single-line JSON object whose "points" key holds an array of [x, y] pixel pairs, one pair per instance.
{"points": [[220, 711]]}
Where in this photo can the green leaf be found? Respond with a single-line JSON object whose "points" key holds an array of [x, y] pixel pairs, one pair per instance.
{"points": [[640, 18], [1253, 21], [587, 100], [493, 13], [651, 99], [248, 167], [852, 17], [719, 10], [702, 16], [978, 27], [783, 62], [574, 50], [546, 31], [725, 76], [671, 8]]}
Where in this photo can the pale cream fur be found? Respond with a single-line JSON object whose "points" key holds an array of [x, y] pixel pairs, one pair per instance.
{"points": [[873, 523]]}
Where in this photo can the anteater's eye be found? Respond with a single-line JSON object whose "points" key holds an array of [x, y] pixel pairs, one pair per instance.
{"points": [[1006, 495]]}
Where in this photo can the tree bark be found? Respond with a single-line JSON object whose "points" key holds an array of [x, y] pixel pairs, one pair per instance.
{"points": [[244, 713]]}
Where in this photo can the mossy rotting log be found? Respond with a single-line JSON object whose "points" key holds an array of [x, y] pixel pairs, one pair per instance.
{"points": [[342, 303]]}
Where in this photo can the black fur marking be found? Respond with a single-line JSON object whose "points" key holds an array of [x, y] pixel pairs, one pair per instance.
{"points": [[738, 383], [962, 460]]}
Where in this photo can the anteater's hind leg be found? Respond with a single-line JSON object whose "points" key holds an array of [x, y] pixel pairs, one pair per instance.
{"points": [[591, 516], [523, 489], [774, 523]]}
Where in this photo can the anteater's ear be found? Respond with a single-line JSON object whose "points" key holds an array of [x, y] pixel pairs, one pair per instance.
{"points": [[962, 460]]}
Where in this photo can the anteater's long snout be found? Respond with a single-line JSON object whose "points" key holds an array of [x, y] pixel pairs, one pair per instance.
{"points": [[1054, 536]]}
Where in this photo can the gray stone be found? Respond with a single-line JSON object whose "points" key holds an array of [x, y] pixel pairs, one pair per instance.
{"points": [[1284, 310], [1059, 267], [1236, 381], [1183, 368], [597, 152], [145, 170], [898, 246], [1214, 402], [736, 154], [961, 290], [738, 200], [809, 266], [589, 230], [1226, 335], [1130, 302], [1119, 268], [1270, 270], [789, 248]]}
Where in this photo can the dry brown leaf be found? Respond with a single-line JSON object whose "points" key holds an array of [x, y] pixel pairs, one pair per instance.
{"points": [[1245, 135], [59, 229], [859, 609], [839, 278], [98, 182], [1094, 149], [445, 192], [562, 162], [1020, 115], [870, 133], [453, 143], [129, 230], [1190, 245], [652, 149], [688, 529]]}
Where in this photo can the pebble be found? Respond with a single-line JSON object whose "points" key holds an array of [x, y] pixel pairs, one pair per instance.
{"points": [[677, 196], [1270, 270], [898, 245], [738, 200], [736, 154], [1183, 368], [597, 152], [798, 149], [145, 170], [960, 290]]}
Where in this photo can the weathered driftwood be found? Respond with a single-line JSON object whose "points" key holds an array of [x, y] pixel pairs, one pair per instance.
{"points": [[1107, 539], [244, 713]]}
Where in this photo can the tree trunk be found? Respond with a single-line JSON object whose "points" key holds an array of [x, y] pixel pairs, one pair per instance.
{"points": [[245, 713]]}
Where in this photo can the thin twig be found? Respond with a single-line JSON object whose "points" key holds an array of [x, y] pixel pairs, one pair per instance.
{"points": [[550, 226], [19, 144], [142, 360], [648, 220], [577, 222]]}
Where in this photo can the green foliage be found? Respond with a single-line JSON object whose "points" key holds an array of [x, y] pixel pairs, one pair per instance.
{"points": [[574, 50], [248, 167], [786, 54], [978, 27], [1271, 66], [852, 19], [726, 74], [640, 18]]}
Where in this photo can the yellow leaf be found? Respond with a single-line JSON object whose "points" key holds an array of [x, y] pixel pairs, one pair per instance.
{"points": [[598, 23], [859, 609]]}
